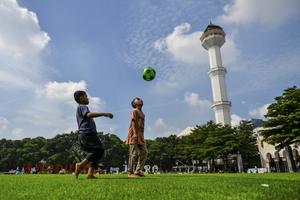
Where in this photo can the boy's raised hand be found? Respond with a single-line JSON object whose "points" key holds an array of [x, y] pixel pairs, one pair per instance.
{"points": [[110, 115]]}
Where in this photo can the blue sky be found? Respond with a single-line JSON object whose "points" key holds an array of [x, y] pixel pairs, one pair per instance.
{"points": [[49, 49]]}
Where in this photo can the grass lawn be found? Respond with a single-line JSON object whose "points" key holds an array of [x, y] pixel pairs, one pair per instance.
{"points": [[163, 186]]}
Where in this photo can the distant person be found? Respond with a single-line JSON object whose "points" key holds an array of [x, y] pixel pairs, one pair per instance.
{"points": [[18, 170], [49, 169], [89, 141], [135, 139], [33, 170]]}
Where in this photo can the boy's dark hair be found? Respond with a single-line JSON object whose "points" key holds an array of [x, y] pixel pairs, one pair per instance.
{"points": [[78, 94], [132, 102]]}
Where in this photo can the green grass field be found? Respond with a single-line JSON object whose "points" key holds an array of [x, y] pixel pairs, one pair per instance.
{"points": [[164, 186]]}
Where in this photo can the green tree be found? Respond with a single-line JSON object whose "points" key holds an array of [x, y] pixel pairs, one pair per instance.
{"points": [[247, 144], [221, 142], [58, 149], [209, 142], [115, 151], [282, 127], [162, 152]]}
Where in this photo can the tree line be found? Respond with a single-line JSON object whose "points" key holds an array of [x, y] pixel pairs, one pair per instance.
{"points": [[206, 143]]}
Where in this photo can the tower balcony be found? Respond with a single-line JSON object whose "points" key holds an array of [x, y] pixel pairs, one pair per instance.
{"points": [[221, 71], [217, 104]]}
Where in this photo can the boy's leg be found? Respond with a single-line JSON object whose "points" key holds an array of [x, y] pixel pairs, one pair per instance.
{"points": [[142, 150], [95, 156], [80, 166], [84, 146], [132, 158], [91, 173]]}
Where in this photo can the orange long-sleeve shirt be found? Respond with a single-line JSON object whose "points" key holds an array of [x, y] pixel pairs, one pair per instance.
{"points": [[136, 128]]}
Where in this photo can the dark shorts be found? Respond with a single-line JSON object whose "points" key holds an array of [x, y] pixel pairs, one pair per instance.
{"points": [[92, 147]]}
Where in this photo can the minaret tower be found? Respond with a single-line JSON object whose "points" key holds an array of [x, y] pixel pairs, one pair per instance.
{"points": [[212, 39]]}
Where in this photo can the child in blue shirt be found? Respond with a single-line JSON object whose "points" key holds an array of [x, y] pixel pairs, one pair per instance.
{"points": [[89, 141]]}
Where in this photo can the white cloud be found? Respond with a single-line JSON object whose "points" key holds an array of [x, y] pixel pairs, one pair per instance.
{"points": [[160, 123], [259, 112], [235, 120], [183, 46], [21, 43], [193, 99], [3, 124], [17, 130], [20, 31], [40, 107], [64, 91], [159, 128], [186, 47], [187, 59], [176, 53], [53, 108], [17, 133], [271, 13]]}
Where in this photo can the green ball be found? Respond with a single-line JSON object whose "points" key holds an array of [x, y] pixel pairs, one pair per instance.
{"points": [[148, 74]]}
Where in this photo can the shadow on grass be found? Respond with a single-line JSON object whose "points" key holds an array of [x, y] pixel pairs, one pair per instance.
{"points": [[116, 178]]}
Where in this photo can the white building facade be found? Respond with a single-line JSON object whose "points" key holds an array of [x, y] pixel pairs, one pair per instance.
{"points": [[274, 160]]}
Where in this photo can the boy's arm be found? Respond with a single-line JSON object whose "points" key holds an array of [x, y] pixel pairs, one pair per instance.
{"points": [[134, 122], [99, 114]]}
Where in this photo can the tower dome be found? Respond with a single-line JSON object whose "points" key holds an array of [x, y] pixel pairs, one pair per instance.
{"points": [[213, 35]]}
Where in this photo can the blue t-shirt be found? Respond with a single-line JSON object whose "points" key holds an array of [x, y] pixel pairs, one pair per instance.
{"points": [[85, 124]]}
